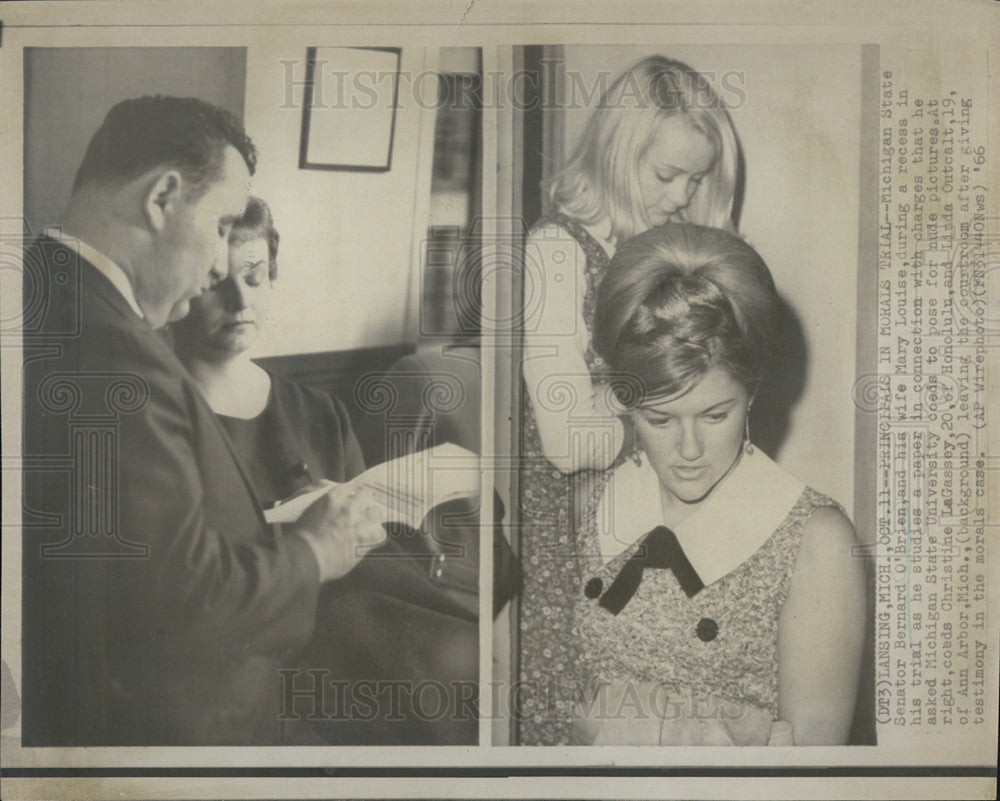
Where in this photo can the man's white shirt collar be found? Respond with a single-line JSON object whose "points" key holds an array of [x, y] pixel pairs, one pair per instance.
{"points": [[734, 521], [104, 265]]}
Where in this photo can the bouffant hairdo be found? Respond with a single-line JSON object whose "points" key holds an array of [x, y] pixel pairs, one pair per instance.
{"points": [[257, 223], [679, 300]]}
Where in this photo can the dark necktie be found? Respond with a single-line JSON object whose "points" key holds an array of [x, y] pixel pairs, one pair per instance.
{"points": [[659, 549]]}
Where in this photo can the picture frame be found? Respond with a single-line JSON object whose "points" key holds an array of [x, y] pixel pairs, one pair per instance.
{"points": [[349, 108]]}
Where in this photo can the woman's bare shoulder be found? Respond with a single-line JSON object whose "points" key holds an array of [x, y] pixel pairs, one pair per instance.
{"points": [[828, 529], [550, 230], [829, 558]]}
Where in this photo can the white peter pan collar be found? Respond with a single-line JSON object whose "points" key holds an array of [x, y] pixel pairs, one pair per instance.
{"points": [[737, 518]]}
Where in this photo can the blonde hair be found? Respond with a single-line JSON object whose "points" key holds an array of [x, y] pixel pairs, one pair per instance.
{"points": [[600, 178]]}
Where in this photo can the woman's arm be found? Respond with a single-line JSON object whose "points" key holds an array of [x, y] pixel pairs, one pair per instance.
{"points": [[821, 633], [578, 428]]}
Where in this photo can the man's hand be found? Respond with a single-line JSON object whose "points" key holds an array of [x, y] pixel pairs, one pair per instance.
{"points": [[340, 527]]}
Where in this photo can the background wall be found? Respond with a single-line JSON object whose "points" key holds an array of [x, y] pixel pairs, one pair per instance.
{"points": [[797, 114], [350, 241], [68, 91]]}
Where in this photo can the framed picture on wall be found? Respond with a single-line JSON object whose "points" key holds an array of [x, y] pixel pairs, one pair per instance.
{"points": [[349, 108]]}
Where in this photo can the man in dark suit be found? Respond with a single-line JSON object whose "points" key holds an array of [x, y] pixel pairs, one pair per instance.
{"points": [[157, 604]]}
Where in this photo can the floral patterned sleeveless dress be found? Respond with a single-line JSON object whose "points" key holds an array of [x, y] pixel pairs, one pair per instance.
{"points": [[550, 679], [703, 622]]}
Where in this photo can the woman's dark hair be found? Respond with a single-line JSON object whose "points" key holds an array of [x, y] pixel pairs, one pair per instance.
{"points": [[257, 223], [181, 132], [677, 301]]}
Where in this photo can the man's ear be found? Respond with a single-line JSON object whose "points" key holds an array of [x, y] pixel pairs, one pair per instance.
{"points": [[162, 198]]}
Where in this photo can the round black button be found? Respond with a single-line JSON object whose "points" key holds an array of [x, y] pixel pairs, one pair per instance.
{"points": [[707, 629], [593, 588]]}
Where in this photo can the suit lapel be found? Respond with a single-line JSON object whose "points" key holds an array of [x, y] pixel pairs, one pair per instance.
{"points": [[92, 280]]}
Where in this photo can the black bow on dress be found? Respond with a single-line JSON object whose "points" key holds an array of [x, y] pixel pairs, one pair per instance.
{"points": [[658, 549]]}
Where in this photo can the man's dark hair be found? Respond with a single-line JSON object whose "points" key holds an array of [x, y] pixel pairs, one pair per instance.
{"points": [[181, 132]]}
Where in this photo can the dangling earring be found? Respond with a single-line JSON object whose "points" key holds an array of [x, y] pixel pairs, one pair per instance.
{"points": [[631, 448], [747, 444]]}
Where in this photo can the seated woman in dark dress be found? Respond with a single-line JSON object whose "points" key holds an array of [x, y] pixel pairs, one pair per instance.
{"points": [[386, 631]]}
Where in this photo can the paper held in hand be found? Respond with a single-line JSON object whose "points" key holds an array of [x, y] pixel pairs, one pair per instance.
{"points": [[406, 488]]}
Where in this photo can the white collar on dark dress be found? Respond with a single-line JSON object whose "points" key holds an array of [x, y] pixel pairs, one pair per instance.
{"points": [[738, 517]]}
